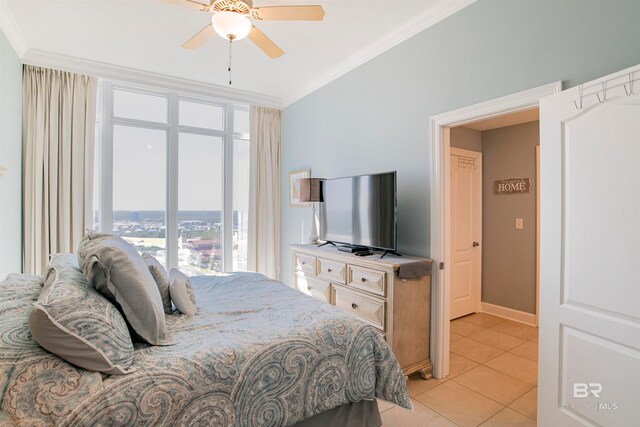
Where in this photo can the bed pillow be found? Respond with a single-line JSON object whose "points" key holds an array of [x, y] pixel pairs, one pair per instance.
{"points": [[117, 271], [182, 293], [74, 322], [162, 280]]}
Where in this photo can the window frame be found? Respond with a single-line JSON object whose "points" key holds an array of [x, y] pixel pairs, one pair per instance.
{"points": [[233, 137], [172, 129]]}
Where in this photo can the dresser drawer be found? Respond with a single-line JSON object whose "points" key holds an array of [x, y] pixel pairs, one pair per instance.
{"points": [[316, 288], [368, 308], [306, 263], [335, 271], [370, 280]]}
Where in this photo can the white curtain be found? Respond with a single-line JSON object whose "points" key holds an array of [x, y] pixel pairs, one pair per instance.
{"points": [[58, 137], [264, 192]]}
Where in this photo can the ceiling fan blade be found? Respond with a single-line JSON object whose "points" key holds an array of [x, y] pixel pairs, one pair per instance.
{"points": [[197, 40], [264, 43], [288, 13], [193, 4]]}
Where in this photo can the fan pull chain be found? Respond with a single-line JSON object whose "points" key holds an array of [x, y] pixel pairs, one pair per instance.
{"points": [[230, 44]]}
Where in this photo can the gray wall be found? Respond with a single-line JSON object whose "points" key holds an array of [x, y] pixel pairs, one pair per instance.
{"points": [[509, 255], [467, 139], [10, 158], [376, 117]]}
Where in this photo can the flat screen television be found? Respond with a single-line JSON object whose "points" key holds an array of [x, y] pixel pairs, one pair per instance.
{"points": [[360, 211]]}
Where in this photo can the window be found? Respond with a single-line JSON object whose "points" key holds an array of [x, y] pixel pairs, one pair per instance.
{"points": [[127, 104], [200, 200], [97, 165], [139, 188], [172, 177], [199, 115], [241, 153]]}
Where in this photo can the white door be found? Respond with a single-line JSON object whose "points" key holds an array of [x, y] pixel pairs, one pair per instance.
{"points": [[466, 230], [589, 357]]}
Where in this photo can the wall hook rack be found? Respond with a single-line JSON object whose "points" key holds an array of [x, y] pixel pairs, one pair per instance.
{"points": [[604, 93], [630, 91], [575, 103]]}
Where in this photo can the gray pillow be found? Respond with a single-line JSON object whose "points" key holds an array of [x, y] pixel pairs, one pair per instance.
{"points": [[162, 280], [74, 322], [182, 293], [117, 271]]}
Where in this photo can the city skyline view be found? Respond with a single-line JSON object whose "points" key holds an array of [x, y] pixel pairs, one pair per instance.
{"points": [[209, 157], [200, 242]]}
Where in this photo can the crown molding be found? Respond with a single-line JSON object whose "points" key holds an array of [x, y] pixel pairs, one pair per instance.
{"points": [[422, 21], [10, 28], [131, 75], [115, 72]]}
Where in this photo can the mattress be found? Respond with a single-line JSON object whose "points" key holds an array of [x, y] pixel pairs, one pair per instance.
{"points": [[258, 353]]}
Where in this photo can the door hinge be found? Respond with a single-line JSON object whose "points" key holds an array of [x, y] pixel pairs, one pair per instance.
{"points": [[441, 266]]}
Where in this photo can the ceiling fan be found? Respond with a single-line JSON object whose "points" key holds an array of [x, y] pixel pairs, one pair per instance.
{"points": [[231, 21]]}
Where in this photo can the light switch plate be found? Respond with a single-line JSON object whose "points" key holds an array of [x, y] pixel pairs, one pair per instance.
{"points": [[519, 223]]}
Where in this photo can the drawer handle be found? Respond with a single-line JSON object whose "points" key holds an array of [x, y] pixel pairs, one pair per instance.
{"points": [[363, 280], [328, 270], [354, 305], [309, 288], [304, 263]]}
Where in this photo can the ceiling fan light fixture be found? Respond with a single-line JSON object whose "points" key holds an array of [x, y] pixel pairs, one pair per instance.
{"points": [[231, 25]]}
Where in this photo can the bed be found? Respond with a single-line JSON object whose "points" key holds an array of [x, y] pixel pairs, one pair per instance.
{"points": [[258, 353]]}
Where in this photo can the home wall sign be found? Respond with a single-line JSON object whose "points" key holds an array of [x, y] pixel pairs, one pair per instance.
{"points": [[511, 186]]}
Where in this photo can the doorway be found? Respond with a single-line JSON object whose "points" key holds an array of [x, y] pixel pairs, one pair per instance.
{"points": [[441, 227], [493, 177], [493, 216]]}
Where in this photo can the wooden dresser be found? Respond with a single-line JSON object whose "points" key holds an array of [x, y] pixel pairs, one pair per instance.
{"points": [[369, 288]]}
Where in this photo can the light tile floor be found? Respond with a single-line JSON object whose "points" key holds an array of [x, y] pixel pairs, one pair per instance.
{"points": [[492, 381]]}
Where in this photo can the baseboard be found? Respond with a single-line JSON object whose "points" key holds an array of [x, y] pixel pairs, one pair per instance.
{"points": [[509, 313]]}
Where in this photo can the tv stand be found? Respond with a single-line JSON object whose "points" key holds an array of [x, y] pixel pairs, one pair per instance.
{"points": [[388, 251], [328, 242], [371, 289]]}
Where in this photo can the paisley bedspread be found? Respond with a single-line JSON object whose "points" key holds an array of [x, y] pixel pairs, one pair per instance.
{"points": [[258, 353]]}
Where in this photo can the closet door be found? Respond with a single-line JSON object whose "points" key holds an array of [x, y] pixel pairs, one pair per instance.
{"points": [[589, 357], [466, 231]]}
